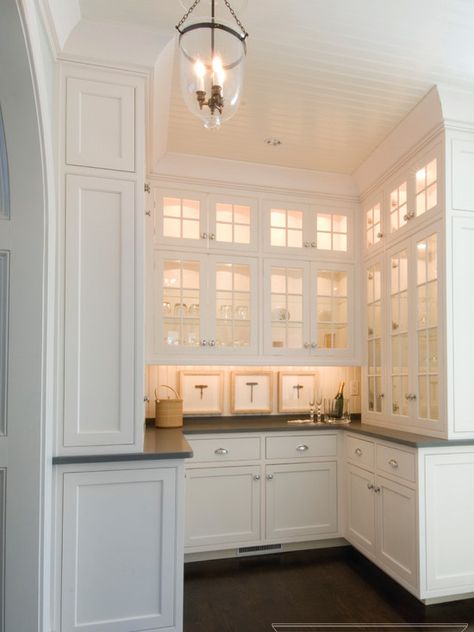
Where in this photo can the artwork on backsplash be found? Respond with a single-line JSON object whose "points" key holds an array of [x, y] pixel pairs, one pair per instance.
{"points": [[296, 391], [202, 392], [251, 392]]}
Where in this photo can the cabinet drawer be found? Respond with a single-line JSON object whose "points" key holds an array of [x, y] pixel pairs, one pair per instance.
{"points": [[360, 451], [396, 461], [301, 446], [225, 448]]}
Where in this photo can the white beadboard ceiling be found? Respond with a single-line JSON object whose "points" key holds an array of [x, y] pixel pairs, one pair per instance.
{"points": [[329, 78]]}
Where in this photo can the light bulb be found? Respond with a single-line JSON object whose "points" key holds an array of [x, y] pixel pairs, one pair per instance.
{"points": [[213, 121], [218, 71], [200, 71]]}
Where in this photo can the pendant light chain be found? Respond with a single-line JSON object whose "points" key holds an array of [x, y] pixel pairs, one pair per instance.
{"points": [[234, 15], [188, 13], [227, 4]]}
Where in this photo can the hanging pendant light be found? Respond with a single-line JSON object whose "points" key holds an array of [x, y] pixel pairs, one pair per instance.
{"points": [[212, 55]]}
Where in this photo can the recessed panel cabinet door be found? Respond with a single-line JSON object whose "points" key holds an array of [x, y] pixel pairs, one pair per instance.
{"points": [[119, 570], [396, 529], [100, 124], [360, 526], [222, 506], [301, 500], [102, 391]]}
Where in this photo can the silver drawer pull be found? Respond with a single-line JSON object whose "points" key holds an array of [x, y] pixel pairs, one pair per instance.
{"points": [[269, 477], [370, 486], [377, 490], [393, 463], [302, 448], [221, 451], [358, 451]]}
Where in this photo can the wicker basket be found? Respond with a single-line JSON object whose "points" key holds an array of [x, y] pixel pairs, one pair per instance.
{"points": [[168, 412]]}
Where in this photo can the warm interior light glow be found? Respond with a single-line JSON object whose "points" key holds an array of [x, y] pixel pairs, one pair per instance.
{"points": [[218, 71], [420, 175], [200, 70]]}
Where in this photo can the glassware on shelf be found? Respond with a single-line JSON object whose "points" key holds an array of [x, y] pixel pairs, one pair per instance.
{"points": [[166, 308], [318, 398], [180, 310], [193, 309], [330, 411], [242, 312], [225, 311]]}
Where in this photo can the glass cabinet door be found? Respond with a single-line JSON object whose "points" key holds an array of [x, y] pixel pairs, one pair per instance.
{"points": [[180, 219], [374, 338], [180, 297], [427, 328], [232, 223], [286, 228], [399, 333], [235, 309], [373, 225], [287, 306], [331, 309]]}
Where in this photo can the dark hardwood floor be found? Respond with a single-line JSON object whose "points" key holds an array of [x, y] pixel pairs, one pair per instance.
{"points": [[323, 586]]}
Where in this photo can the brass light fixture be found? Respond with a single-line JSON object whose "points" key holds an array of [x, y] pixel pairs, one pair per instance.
{"points": [[212, 55]]}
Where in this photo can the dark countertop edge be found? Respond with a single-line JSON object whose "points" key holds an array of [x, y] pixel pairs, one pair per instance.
{"points": [[159, 445]]}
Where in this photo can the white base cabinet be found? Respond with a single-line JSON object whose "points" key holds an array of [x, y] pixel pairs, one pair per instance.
{"points": [[381, 518], [119, 566], [256, 489], [222, 505], [301, 500]]}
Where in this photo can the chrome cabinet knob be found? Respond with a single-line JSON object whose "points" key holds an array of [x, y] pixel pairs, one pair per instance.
{"points": [[393, 464], [314, 345], [358, 451], [377, 490], [370, 486], [269, 477], [306, 244], [221, 451], [203, 343], [204, 235], [212, 236], [313, 244], [306, 345], [212, 343], [256, 477]]}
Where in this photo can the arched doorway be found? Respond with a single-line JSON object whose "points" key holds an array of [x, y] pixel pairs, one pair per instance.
{"points": [[23, 291]]}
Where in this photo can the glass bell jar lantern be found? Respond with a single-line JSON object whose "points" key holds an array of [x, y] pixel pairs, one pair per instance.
{"points": [[212, 55]]}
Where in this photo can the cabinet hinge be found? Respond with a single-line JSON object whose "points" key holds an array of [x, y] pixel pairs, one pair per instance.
{"points": [[146, 188]]}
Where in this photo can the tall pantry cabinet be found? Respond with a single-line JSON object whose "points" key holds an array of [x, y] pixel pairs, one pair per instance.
{"points": [[106, 577], [417, 213]]}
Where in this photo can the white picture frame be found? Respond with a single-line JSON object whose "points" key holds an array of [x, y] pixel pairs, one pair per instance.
{"points": [[296, 391], [251, 392], [202, 392]]}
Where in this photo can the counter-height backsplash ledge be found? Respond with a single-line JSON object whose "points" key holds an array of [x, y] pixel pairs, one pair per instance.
{"points": [[230, 390]]}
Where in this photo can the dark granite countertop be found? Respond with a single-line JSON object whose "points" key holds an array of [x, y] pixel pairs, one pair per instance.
{"points": [[279, 423], [160, 444]]}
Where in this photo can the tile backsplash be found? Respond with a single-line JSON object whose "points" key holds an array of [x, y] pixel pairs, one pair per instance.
{"points": [[329, 379]]}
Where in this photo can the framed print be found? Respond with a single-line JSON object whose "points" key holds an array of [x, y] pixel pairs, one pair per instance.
{"points": [[295, 391], [202, 392], [251, 392]]}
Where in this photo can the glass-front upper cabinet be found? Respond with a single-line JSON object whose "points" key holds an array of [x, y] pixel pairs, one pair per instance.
{"points": [[204, 303], [197, 220], [414, 337], [374, 386], [308, 309], [373, 233], [414, 192], [303, 230]]}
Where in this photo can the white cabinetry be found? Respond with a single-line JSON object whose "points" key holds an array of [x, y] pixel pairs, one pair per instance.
{"points": [[381, 517], [301, 500], [204, 221], [121, 556], [236, 493], [101, 388], [101, 245], [204, 304], [308, 309]]}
